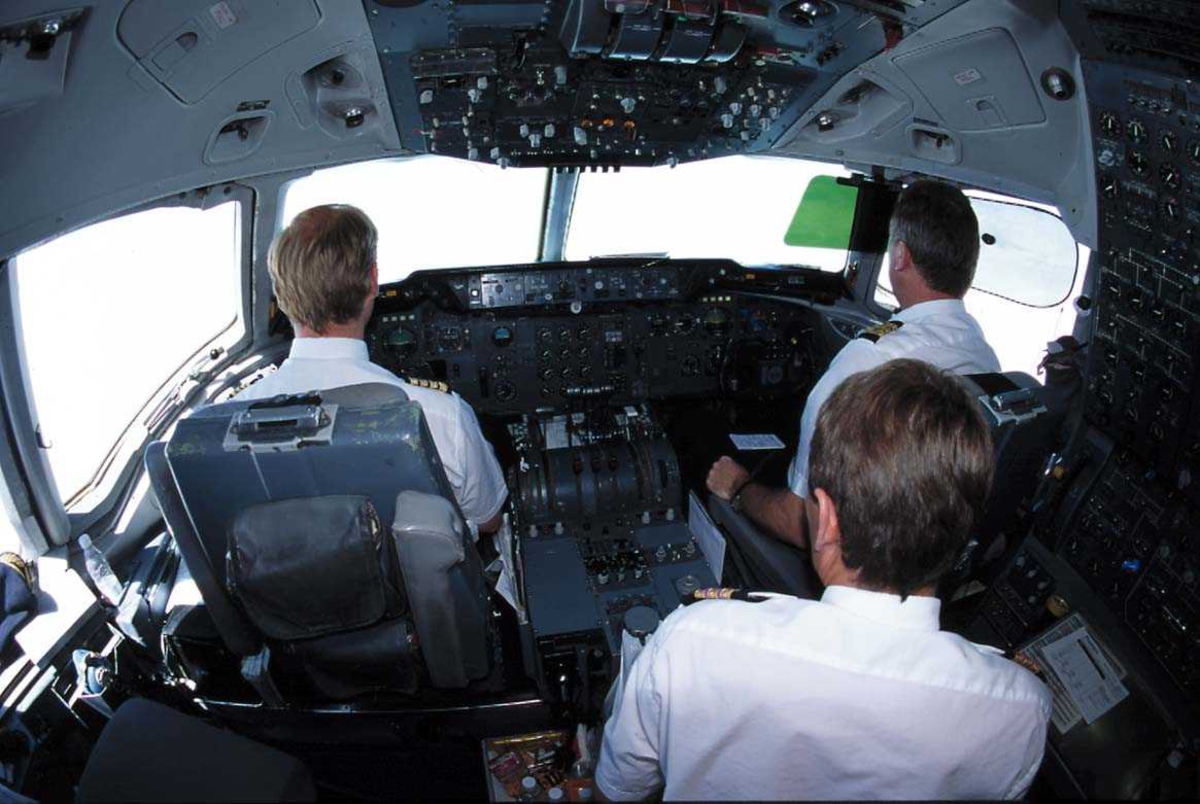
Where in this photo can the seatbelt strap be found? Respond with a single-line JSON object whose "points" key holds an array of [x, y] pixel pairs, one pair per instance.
{"points": [[256, 670]]}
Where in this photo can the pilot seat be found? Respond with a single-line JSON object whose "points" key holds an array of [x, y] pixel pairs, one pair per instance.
{"points": [[1024, 417], [326, 544]]}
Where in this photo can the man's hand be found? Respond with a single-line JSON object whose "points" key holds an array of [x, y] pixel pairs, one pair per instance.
{"points": [[778, 511], [727, 477]]}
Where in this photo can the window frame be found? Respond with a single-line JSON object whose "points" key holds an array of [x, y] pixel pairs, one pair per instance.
{"points": [[100, 501]]}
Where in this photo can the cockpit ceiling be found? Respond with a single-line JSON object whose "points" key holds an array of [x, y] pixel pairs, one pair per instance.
{"points": [[125, 101]]}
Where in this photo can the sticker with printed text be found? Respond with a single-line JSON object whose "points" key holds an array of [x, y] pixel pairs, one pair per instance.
{"points": [[222, 15]]}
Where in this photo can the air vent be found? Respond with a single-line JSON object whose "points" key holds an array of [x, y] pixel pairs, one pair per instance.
{"points": [[934, 144], [338, 96], [237, 138]]}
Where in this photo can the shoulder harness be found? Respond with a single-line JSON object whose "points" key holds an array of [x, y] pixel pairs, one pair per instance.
{"points": [[876, 332], [432, 385]]}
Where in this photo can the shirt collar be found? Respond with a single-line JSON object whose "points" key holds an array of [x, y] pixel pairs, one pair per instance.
{"points": [[328, 349], [916, 613], [931, 308]]}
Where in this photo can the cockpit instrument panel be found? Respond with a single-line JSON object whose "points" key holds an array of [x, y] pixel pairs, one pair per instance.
{"points": [[1133, 537], [1144, 372], [526, 338]]}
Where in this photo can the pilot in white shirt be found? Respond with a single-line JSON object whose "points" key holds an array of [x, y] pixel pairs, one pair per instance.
{"points": [[857, 695], [325, 278], [934, 246]]}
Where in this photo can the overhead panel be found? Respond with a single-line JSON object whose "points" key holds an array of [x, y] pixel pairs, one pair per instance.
{"points": [[191, 46], [615, 83], [977, 82]]}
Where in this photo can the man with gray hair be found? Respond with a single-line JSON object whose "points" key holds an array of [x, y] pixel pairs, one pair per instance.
{"points": [[933, 248], [326, 278]]}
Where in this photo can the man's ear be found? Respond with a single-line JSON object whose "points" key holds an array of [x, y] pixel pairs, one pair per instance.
{"points": [[900, 257], [374, 279], [829, 532]]}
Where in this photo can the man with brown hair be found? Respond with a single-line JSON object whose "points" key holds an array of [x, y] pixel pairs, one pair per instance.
{"points": [[858, 695], [933, 248], [325, 277]]}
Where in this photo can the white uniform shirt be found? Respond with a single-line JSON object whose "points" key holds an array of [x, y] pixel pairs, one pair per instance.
{"points": [[939, 332], [855, 696], [320, 364]]}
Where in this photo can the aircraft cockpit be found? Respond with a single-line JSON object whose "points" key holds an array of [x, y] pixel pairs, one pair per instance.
{"points": [[622, 239]]}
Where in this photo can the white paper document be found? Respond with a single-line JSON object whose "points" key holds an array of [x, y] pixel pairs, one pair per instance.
{"points": [[506, 584], [747, 442], [707, 535], [1082, 667]]}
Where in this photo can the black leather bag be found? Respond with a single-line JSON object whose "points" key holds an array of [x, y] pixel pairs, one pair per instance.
{"points": [[307, 567]]}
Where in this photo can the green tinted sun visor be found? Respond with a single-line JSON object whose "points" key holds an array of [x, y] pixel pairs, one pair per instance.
{"points": [[825, 216]]}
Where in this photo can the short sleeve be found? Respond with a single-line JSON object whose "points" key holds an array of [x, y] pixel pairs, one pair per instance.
{"points": [[855, 357], [630, 767], [483, 491]]}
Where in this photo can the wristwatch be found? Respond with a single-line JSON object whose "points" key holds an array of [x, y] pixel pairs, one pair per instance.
{"points": [[735, 502]]}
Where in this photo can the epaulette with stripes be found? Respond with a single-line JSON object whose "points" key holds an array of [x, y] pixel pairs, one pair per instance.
{"points": [[432, 385], [876, 332]]}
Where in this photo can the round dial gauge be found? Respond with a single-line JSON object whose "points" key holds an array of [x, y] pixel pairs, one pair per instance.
{"points": [[1139, 164], [1169, 175], [400, 343], [1136, 130], [716, 320], [1171, 211], [502, 336], [1109, 124]]}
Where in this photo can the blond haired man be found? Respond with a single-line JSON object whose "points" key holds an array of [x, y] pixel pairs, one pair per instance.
{"points": [[325, 277]]}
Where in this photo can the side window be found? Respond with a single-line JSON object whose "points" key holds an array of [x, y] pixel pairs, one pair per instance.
{"points": [[109, 313], [1029, 272]]}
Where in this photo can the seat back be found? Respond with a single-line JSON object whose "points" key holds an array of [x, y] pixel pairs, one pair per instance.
{"points": [[238, 473], [1024, 419], [444, 578], [239, 636]]}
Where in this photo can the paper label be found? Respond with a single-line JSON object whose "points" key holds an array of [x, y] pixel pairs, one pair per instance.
{"points": [[755, 441], [222, 15], [707, 535], [1086, 675], [1064, 714], [967, 76]]}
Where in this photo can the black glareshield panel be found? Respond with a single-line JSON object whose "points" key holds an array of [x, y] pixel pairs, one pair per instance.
{"points": [[571, 335]]}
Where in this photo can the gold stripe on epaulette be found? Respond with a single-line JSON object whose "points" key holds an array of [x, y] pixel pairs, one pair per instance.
{"points": [[876, 332], [432, 385], [20, 566]]}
